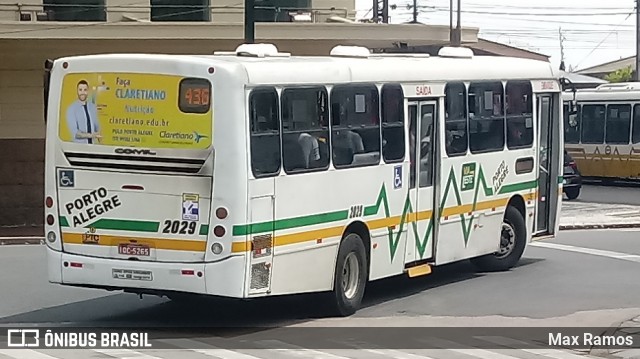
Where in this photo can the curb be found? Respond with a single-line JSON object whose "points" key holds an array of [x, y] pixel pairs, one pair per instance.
{"points": [[20, 240], [570, 227]]}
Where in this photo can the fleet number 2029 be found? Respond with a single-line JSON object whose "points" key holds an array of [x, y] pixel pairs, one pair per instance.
{"points": [[179, 227]]}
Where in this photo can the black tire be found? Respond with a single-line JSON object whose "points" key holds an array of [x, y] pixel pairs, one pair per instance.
{"points": [[572, 193], [506, 260], [340, 303]]}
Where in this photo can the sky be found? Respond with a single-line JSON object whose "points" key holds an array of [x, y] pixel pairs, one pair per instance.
{"points": [[593, 31]]}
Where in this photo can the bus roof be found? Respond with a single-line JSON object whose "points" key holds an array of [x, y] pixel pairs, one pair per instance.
{"points": [[629, 91], [410, 68], [321, 69]]}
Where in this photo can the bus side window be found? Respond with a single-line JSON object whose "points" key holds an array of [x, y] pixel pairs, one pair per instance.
{"points": [[456, 118], [392, 123], [413, 119], [265, 132], [618, 124], [592, 122], [355, 136], [636, 124], [305, 129], [486, 117], [519, 105]]}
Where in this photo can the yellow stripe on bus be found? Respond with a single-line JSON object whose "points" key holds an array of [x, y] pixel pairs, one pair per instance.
{"points": [[337, 231], [157, 243]]}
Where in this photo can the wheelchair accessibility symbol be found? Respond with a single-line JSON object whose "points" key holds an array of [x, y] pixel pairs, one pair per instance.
{"points": [[66, 179], [397, 177]]}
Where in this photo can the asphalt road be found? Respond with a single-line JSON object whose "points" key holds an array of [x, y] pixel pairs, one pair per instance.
{"points": [[621, 193], [580, 278], [548, 283]]}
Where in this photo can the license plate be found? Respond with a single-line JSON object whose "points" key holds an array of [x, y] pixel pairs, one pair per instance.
{"points": [[134, 249], [132, 274]]}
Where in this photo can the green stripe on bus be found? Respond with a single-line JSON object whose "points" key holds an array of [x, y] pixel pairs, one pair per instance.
{"points": [[204, 229], [382, 201], [63, 221], [518, 187], [288, 223], [560, 179], [125, 225]]}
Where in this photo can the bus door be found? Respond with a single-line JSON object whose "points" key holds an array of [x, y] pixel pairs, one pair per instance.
{"points": [[547, 187], [423, 117]]}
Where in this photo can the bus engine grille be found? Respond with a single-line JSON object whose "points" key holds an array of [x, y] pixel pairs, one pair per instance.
{"points": [[260, 276]]}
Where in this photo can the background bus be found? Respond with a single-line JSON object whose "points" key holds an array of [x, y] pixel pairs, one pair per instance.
{"points": [[604, 136], [245, 174]]}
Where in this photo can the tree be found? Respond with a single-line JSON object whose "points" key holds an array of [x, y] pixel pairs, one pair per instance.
{"points": [[621, 75]]}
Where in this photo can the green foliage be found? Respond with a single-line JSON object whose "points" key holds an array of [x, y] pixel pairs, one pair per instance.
{"points": [[621, 75]]}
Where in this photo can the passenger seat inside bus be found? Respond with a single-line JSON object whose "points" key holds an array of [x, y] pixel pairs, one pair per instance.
{"points": [[301, 151]]}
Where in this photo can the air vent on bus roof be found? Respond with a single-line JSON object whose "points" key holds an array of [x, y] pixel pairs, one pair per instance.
{"points": [[255, 50], [401, 54], [624, 86], [350, 51], [456, 52]]}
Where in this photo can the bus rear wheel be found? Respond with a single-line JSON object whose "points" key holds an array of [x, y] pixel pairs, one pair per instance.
{"points": [[513, 240], [572, 193], [350, 276]]}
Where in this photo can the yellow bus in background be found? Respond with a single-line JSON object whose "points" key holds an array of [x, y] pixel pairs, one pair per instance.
{"points": [[603, 136]]}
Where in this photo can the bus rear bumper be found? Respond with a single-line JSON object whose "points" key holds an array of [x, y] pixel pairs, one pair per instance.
{"points": [[224, 278]]}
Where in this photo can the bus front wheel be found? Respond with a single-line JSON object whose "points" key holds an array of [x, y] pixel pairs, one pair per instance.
{"points": [[513, 239], [350, 277]]}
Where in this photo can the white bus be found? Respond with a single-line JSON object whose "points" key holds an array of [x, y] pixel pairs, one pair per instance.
{"points": [[603, 135], [256, 173]]}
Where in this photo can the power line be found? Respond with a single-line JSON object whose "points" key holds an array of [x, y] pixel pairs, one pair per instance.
{"points": [[603, 40], [549, 21], [528, 13]]}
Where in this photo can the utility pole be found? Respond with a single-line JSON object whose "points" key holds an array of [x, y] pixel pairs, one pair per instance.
{"points": [[415, 12], [450, 22], [635, 73], [381, 11], [562, 66], [457, 35], [249, 21]]}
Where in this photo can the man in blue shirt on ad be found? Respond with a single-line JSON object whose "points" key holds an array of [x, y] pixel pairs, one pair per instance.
{"points": [[82, 117]]}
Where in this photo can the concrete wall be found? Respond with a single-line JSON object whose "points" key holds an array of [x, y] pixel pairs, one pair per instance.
{"points": [[21, 140], [10, 9], [21, 182]]}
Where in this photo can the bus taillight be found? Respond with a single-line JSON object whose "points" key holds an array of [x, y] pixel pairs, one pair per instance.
{"points": [[49, 202], [219, 231], [221, 213], [50, 220]]}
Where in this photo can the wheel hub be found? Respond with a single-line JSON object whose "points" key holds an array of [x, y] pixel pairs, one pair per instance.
{"points": [[350, 275], [507, 240]]}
